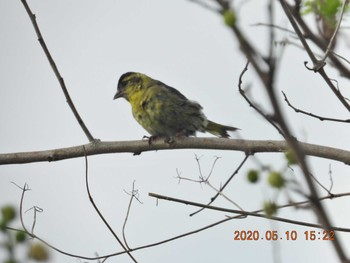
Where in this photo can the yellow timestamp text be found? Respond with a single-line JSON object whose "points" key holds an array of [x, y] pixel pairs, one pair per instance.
{"points": [[292, 235]]}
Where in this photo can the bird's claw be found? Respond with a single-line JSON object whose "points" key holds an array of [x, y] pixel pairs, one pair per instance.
{"points": [[167, 139], [150, 139]]}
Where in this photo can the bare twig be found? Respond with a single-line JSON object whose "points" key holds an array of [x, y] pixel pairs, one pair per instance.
{"points": [[317, 64], [275, 26], [341, 57], [295, 204], [133, 194], [321, 118], [24, 189], [244, 213], [330, 178], [331, 42], [36, 210], [200, 168], [206, 181], [225, 184], [271, 58], [287, 11], [251, 104], [34, 236], [205, 6], [319, 41], [56, 71], [99, 212], [321, 185]]}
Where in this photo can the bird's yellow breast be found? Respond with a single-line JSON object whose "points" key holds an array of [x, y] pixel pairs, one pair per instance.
{"points": [[146, 109]]}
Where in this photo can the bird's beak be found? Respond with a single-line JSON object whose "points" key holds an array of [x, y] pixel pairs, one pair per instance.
{"points": [[119, 94]]}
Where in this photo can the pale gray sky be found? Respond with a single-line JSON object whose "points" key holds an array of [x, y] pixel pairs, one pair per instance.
{"points": [[186, 47]]}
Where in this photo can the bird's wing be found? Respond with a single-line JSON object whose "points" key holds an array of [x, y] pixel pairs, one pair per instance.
{"points": [[171, 90], [174, 110]]}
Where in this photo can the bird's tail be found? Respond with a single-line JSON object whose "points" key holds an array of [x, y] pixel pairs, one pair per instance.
{"points": [[218, 129]]}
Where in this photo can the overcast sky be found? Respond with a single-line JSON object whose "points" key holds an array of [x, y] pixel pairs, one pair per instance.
{"points": [[189, 48]]}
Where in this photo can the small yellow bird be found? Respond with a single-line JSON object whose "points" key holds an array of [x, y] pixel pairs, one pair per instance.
{"points": [[162, 110]]}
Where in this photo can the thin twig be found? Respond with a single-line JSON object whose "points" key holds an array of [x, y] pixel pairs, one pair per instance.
{"points": [[225, 184], [275, 26], [99, 212], [34, 236], [331, 42], [205, 6], [321, 118], [133, 194], [253, 105], [295, 204], [321, 185], [245, 213], [319, 41], [271, 58], [200, 168], [330, 178], [341, 57], [57, 73], [24, 189], [36, 210], [207, 182], [317, 65]]}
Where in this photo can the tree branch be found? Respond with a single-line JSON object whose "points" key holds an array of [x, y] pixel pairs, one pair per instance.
{"points": [[318, 41], [224, 185], [245, 213], [246, 146], [321, 118], [317, 64], [126, 249], [56, 71], [332, 40], [253, 104], [195, 231]]}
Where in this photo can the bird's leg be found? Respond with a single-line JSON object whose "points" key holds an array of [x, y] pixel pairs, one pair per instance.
{"points": [[169, 140], [150, 139], [182, 133]]}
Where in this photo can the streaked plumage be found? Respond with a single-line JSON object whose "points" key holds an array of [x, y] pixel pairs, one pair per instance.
{"points": [[163, 110]]}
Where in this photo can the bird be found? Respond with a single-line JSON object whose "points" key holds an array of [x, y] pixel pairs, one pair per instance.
{"points": [[163, 111]]}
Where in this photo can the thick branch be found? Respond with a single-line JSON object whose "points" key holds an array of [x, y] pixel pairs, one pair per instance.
{"points": [[136, 147]]}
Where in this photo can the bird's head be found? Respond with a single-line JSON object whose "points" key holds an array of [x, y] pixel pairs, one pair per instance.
{"points": [[131, 83]]}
